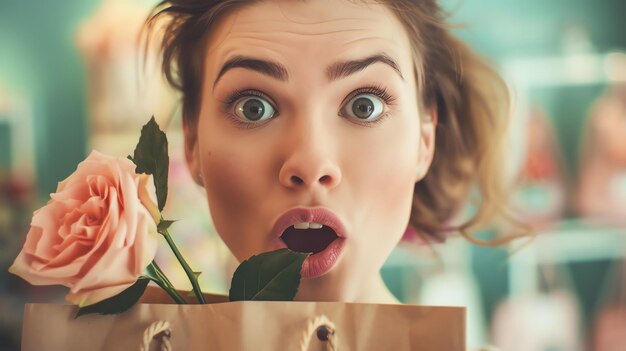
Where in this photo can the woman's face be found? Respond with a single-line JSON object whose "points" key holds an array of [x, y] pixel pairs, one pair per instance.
{"points": [[311, 106]]}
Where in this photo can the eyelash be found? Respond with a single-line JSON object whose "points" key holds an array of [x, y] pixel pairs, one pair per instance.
{"points": [[234, 97], [376, 90]]}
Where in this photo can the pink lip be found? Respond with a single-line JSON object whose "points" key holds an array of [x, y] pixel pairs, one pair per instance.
{"points": [[322, 262], [317, 215]]}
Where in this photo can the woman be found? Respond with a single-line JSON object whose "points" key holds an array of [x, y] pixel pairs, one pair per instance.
{"points": [[329, 126]]}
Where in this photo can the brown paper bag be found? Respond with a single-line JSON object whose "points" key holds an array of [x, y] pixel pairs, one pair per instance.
{"points": [[246, 325]]}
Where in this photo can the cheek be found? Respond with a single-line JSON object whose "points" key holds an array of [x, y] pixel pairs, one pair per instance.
{"points": [[226, 177], [394, 163], [392, 186], [235, 184], [383, 202], [386, 179]]}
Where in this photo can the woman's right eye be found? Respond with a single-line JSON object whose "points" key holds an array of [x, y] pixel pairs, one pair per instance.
{"points": [[254, 109]]}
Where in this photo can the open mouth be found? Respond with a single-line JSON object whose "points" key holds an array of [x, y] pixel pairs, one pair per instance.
{"points": [[308, 240]]}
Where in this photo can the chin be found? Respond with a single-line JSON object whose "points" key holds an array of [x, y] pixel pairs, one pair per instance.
{"points": [[324, 288]]}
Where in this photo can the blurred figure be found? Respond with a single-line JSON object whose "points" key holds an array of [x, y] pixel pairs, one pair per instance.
{"points": [[547, 319], [541, 197], [602, 183], [123, 89], [538, 323], [609, 328]]}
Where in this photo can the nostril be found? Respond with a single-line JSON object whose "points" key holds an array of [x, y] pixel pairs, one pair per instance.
{"points": [[296, 180], [325, 179]]}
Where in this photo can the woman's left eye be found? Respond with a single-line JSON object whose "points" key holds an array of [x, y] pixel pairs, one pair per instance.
{"points": [[254, 109], [364, 107]]}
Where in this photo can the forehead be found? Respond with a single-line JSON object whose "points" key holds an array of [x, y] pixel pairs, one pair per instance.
{"points": [[311, 17], [321, 30]]}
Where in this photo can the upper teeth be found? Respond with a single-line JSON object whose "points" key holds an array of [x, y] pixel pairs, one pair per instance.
{"points": [[307, 225]]}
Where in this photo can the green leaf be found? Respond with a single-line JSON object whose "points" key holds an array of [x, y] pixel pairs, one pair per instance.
{"points": [[118, 303], [164, 225], [151, 158], [150, 272], [270, 276]]}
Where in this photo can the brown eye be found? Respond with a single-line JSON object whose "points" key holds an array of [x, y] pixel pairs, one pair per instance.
{"points": [[365, 107], [254, 109]]}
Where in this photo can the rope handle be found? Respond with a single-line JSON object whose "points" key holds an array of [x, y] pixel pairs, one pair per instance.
{"points": [[325, 331], [157, 330]]}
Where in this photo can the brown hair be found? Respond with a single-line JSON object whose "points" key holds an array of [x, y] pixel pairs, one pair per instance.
{"points": [[471, 100]]}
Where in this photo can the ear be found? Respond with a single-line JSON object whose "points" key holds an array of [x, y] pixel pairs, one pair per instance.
{"points": [[192, 154], [427, 144]]}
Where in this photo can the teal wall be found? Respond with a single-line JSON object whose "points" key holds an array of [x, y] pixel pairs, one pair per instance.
{"points": [[5, 146], [568, 107], [534, 27], [509, 29], [38, 61]]}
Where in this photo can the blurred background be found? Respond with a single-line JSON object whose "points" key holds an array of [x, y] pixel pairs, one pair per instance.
{"points": [[70, 83]]}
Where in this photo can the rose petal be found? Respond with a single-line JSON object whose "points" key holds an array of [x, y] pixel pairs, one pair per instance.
{"points": [[97, 233], [147, 196], [88, 297]]}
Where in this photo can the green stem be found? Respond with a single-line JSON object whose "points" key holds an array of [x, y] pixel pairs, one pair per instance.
{"points": [[161, 275], [188, 271], [156, 275]]}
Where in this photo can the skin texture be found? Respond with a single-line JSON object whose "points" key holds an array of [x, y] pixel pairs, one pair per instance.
{"points": [[312, 152]]}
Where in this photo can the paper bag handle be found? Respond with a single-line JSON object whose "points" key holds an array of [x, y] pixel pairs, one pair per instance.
{"points": [[325, 330], [323, 327], [156, 329]]}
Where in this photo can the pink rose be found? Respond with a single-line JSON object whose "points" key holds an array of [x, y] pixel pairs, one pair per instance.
{"points": [[97, 233]]}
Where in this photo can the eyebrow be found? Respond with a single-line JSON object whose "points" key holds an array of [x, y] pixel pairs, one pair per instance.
{"points": [[270, 68], [346, 68], [278, 71]]}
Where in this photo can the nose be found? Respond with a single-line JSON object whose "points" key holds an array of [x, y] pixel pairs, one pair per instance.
{"points": [[310, 160]]}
